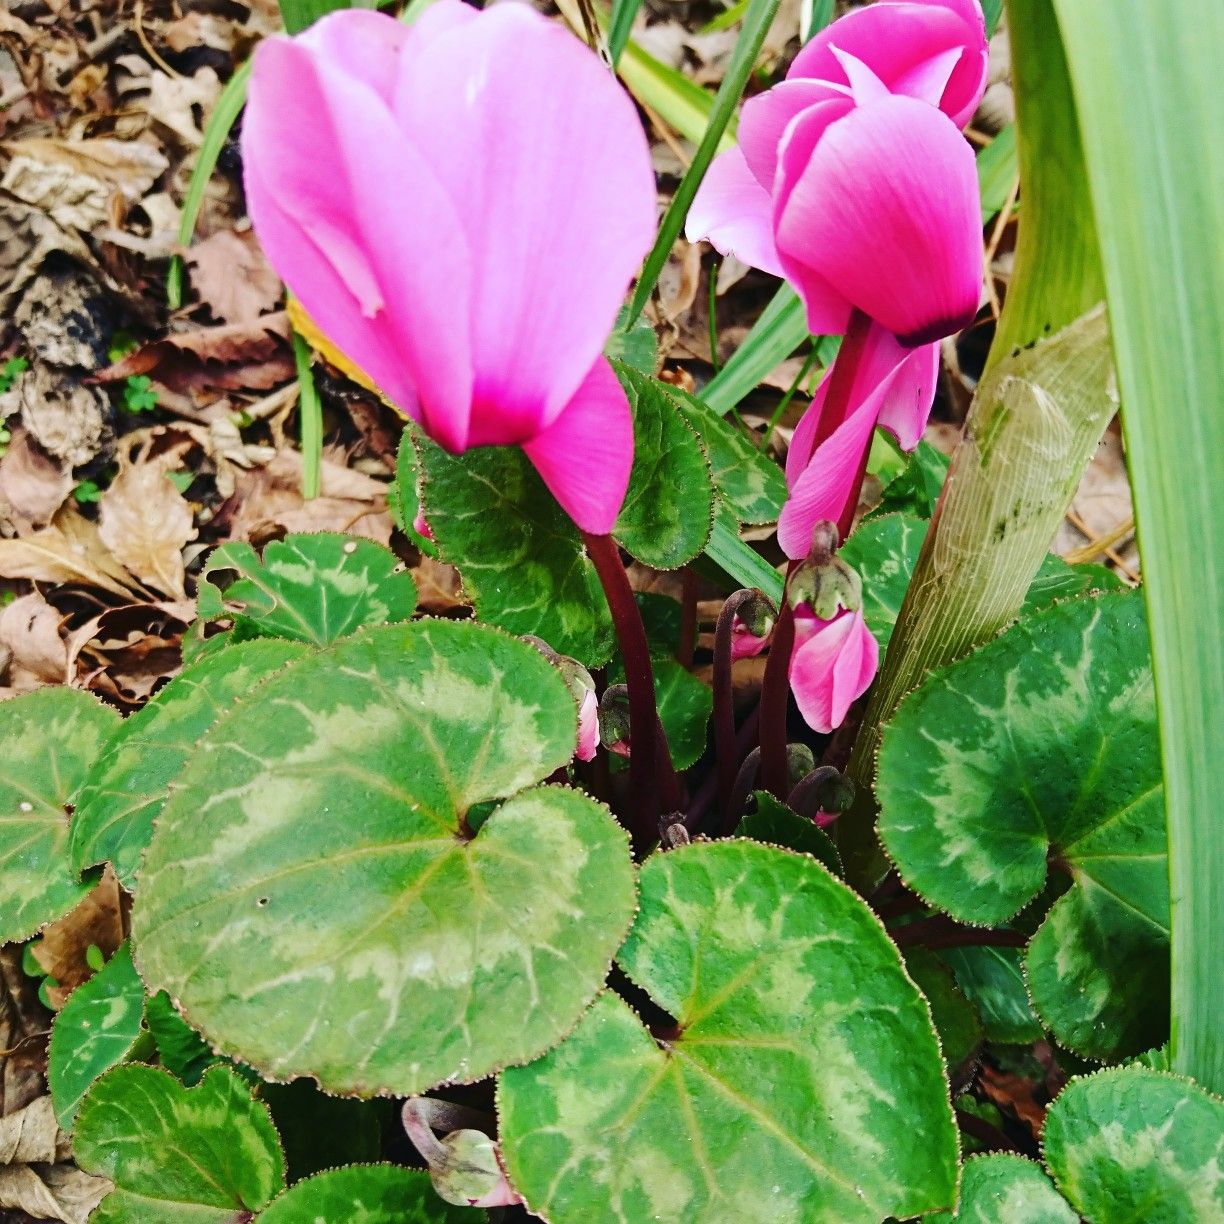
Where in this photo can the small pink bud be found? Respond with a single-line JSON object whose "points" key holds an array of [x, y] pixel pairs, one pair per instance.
{"points": [[588, 726]]}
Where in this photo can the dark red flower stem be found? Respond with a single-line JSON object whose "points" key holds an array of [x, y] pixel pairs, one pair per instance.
{"points": [[725, 758], [649, 759], [775, 688], [688, 620], [775, 694]]}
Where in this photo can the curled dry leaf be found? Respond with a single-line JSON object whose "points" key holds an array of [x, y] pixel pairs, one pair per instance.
{"points": [[31, 1180], [68, 550], [33, 486], [232, 277], [145, 522], [124, 653], [68, 418], [254, 355], [30, 639], [76, 181], [27, 236]]}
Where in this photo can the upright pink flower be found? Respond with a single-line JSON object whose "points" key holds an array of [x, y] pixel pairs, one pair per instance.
{"points": [[457, 232]]}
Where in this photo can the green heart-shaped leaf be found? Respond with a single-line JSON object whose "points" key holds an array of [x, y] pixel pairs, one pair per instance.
{"points": [[669, 509], [312, 899], [1043, 745], [775, 824], [1132, 1144], [1006, 1189], [522, 560], [202, 1154], [48, 739], [800, 1082], [127, 785], [95, 1029], [956, 1021], [310, 588], [748, 481], [367, 1194]]}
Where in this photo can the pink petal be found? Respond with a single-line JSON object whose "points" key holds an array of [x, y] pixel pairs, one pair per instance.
{"points": [[384, 273], [586, 454], [545, 160], [893, 387], [830, 480], [765, 118], [362, 44], [886, 211], [828, 311], [832, 665], [902, 383], [745, 645], [906, 400], [896, 40], [588, 727], [734, 213]]}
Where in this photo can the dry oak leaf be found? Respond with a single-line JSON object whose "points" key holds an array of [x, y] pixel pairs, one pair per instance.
{"points": [[232, 277], [254, 355], [33, 486], [68, 550], [35, 1177], [30, 638], [146, 522], [75, 181]]}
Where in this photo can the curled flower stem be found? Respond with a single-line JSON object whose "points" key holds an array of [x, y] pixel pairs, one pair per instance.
{"points": [[775, 690], [725, 756], [650, 766]]}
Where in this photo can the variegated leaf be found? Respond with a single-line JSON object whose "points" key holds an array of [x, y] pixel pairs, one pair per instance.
{"points": [[1006, 1189]]}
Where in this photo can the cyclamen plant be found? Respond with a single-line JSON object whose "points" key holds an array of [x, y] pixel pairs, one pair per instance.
{"points": [[374, 854]]}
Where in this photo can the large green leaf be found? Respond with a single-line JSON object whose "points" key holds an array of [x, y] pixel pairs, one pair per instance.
{"points": [[1151, 118], [669, 507], [1042, 745], [1133, 1146], [95, 1029], [178, 1154], [310, 588], [312, 899], [1006, 1189], [521, 558], [366, 1194], [802, 1080], [48, 739], [773, 823], [127, 784], [956, 1021]]}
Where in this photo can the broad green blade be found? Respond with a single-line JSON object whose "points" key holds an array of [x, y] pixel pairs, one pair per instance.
{"points": [[623, 13], [757, 21], [298, 14], [1151, 108]]}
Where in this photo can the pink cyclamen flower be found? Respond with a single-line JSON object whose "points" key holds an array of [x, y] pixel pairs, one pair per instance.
{"points": [[857, 186], [893, 388], [833, 663], [455, 232]]}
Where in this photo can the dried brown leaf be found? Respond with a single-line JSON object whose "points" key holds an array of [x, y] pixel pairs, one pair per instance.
{"points": [[124, 653], [254, 355], [30, 636], [268, 501], [27, 236], [55, 1192], [33, 486], [61, 951], [69, 550], [232, 277], [75, 181], [145, 522], [32, 1136]]}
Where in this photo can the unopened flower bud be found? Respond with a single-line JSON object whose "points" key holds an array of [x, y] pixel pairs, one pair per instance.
{"points": [[753, 623], [614, 719], [824, 581]]}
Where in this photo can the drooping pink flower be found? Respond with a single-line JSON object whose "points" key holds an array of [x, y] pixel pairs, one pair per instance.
{"points": [[459, 234], [832, 664], [852, 180], [893, 388]]}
